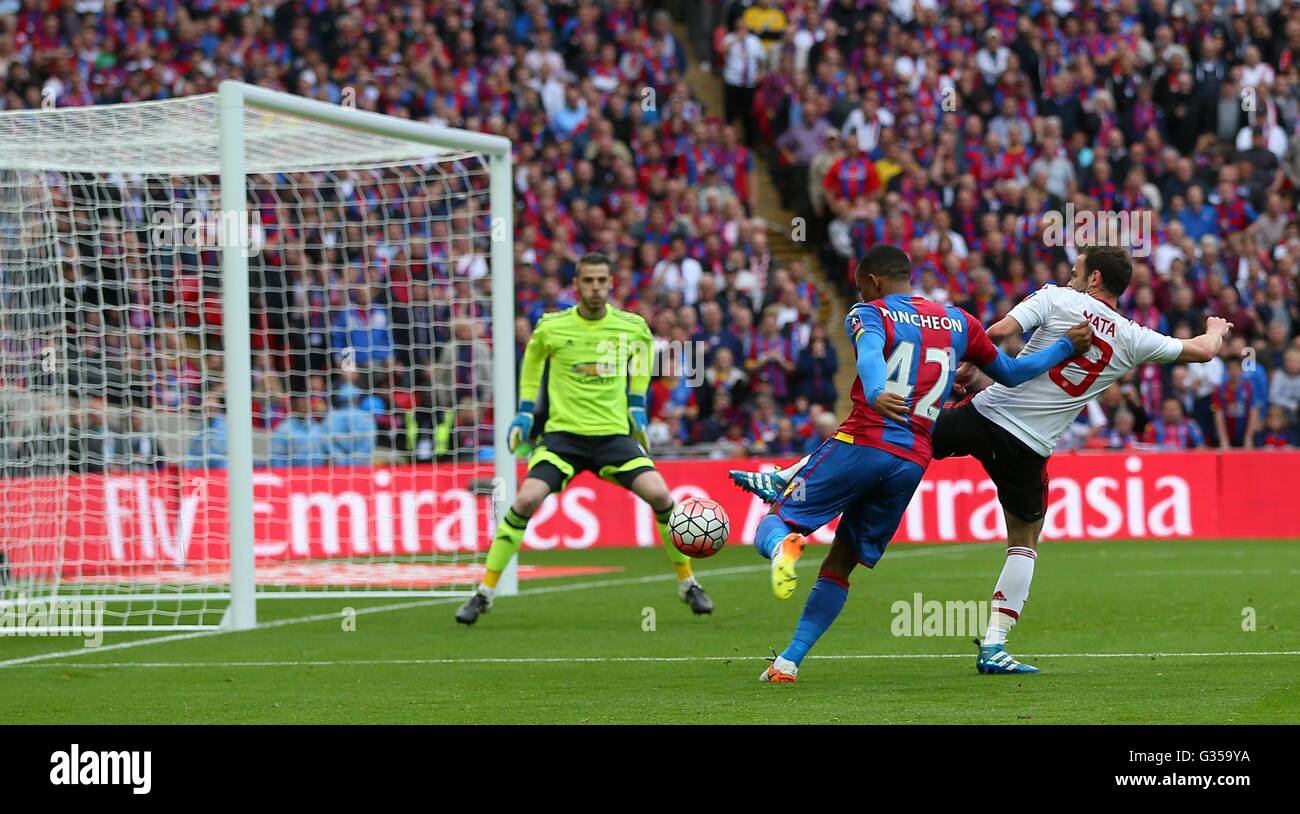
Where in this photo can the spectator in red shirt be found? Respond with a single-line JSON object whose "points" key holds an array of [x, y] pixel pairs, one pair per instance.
{"points": [[850, 178], [1173, 430], [1236, 408]]}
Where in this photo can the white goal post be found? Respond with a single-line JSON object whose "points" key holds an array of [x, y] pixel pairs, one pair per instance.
{"points": [[70, 178]]}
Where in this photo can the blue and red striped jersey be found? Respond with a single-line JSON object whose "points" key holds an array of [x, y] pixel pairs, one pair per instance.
{"points": [[923, 343]]}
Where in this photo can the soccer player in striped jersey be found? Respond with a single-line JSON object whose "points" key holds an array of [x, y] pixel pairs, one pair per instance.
{"points": [[908, 349]]}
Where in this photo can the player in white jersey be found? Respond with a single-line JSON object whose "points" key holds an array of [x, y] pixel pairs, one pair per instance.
{"points": [[1013, 430]]}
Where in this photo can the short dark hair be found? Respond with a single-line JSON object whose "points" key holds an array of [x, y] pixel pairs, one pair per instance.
{"points": [[883, 261], [595, 259], [1114, 264]]}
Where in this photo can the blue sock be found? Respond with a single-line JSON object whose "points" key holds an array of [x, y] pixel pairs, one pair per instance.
{"points": [[824, 604], [771, 531]]}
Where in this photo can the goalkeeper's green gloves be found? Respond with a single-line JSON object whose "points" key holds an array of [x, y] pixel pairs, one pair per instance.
{"points": [[521, 430], [636, 412]]}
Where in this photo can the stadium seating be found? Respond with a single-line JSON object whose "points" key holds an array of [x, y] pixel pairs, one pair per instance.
{"points": [[952, 131]]}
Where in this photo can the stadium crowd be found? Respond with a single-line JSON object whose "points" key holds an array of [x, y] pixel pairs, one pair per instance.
{"points": [[948, 129], [954, 129], [613, 154]]}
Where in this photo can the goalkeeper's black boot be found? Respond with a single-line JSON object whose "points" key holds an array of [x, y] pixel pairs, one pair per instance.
{"points": [[695, 596], [474, 607]]}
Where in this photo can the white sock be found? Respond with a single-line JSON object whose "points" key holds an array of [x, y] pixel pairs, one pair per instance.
{"points": [[684, 584], [490, 593], [785, 665], [1011, 593], [788, 473]]}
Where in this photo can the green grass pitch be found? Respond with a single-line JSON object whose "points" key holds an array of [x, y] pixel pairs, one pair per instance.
{"points": [[576, 650]]}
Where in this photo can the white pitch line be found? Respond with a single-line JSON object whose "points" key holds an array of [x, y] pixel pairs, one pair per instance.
{"points": [[424, 603], [168, 665]]}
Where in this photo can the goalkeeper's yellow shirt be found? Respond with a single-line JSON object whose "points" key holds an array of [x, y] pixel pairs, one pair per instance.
{"points": [[595, 364]]}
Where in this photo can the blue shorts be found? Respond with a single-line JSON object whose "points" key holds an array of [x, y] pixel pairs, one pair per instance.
{"points": [[870, 487]]}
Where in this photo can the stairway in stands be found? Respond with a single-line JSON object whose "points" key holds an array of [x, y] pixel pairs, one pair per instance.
{"points": [[780, 226]]}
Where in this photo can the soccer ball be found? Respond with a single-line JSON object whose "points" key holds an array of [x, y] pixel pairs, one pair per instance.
{"points": [[699, 527]]}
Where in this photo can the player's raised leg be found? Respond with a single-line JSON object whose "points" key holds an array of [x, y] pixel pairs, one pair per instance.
{"points": [[775, 540], [649, 485], [505, 545], [766, 485], [833, 478], [866, 527]]}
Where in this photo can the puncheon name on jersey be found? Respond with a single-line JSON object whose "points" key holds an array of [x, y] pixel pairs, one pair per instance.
{"points": [[934, 322]]}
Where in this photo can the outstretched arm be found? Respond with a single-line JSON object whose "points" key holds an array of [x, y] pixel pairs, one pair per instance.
{"points": [[982, 353], [1013, 370], [1205, 347]]}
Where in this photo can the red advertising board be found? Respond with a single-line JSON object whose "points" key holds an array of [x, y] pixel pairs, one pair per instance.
{"points": [[178, 517]]}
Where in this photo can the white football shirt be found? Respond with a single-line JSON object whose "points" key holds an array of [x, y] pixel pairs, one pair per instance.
{"points": [[1040, 410]]}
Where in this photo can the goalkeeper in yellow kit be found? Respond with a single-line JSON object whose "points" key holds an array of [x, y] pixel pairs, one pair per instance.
{"points": [[594, 400]]}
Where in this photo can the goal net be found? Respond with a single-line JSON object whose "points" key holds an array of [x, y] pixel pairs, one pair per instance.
{"points": [[251, 348]]}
